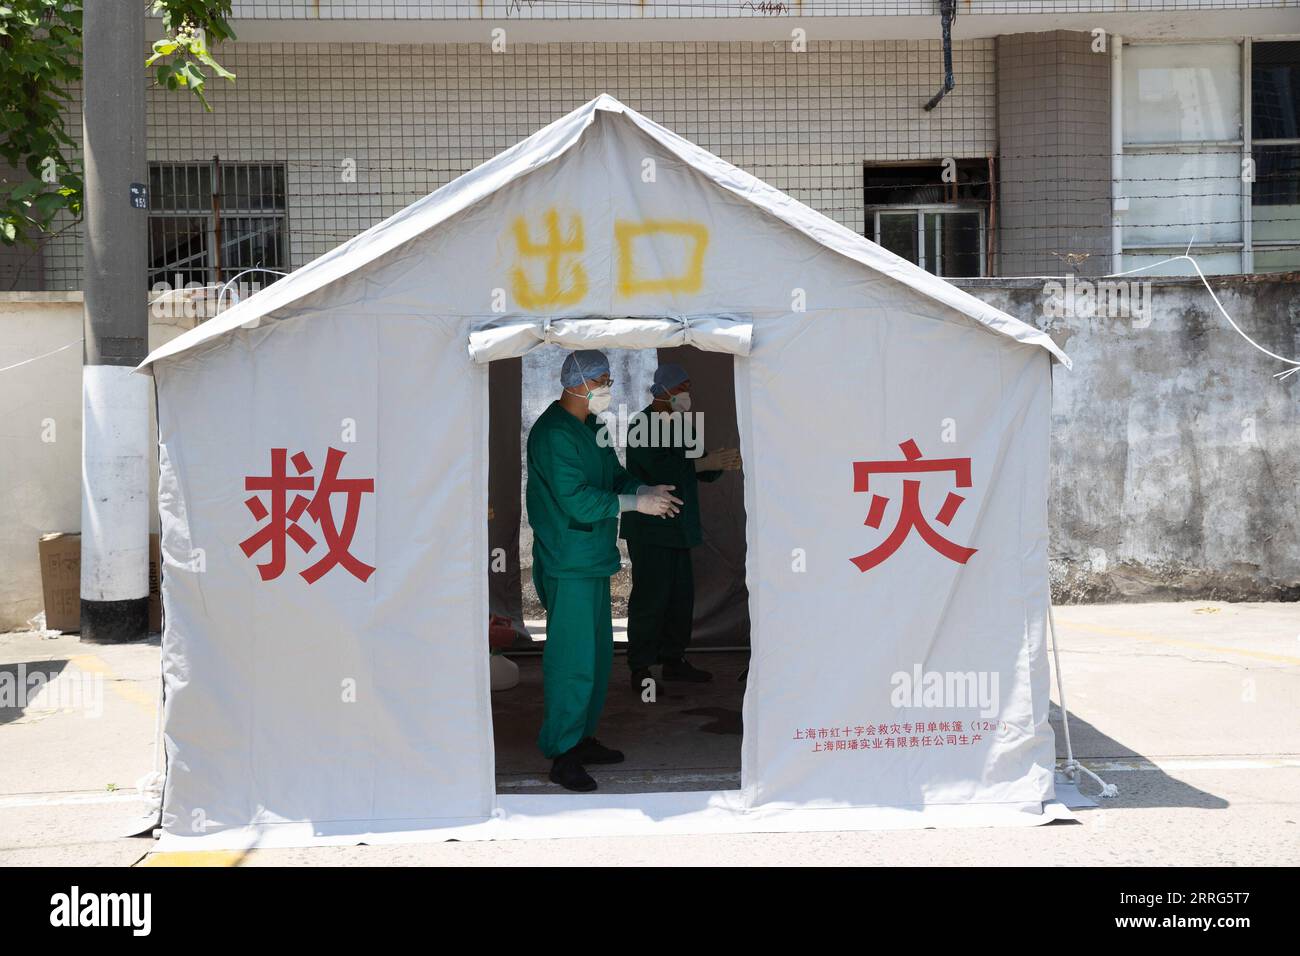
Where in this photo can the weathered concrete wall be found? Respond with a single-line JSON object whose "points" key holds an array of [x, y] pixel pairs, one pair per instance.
{"points": [[1175, 453], [40, 435]]}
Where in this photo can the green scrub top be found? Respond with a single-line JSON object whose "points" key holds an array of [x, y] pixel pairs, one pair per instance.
{"points": [[665, 465], [573, 488]]}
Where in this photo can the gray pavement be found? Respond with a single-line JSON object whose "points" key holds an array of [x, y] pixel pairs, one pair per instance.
{"points": [[1192, 709]]}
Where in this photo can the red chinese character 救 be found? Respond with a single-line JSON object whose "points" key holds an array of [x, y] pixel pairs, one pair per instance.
{"points": [[283, 515], [909, 515]]}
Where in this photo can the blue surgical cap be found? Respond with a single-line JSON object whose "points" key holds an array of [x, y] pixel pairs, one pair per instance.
{"points": [[586, 365], [669, 375]]}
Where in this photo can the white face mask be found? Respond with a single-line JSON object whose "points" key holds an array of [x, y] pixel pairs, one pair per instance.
{"points": [[598, 399], [681, 402]]}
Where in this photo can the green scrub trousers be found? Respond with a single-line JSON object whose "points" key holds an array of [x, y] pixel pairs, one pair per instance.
{"points": [[576, 661], [661, 606]]}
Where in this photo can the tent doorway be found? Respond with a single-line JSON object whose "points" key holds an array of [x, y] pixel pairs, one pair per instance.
{"points": [[689, 736]]}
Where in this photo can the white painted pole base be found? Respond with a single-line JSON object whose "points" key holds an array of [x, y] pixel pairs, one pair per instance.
{"points": [[114, 504]]}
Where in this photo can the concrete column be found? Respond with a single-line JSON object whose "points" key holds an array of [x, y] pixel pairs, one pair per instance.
{"points": [[115, 400]]}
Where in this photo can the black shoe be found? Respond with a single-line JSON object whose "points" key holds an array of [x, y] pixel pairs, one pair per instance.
{"points": [[683, 670], [591, 750], [568, 772]]}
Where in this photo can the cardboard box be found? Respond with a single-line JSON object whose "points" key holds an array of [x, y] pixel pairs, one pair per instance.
{"points": [[60, 556], [61, 580]]}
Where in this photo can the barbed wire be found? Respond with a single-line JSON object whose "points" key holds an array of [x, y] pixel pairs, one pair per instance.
{"points": [[880, 165], [635, 9], [1001, 228]]}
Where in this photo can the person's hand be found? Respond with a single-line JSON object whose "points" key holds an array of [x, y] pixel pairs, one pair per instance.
{"points": [[725, 459], [657, 500]]}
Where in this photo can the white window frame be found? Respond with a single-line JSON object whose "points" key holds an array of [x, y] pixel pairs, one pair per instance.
{"points": [[920, 212], [1244, 144]]}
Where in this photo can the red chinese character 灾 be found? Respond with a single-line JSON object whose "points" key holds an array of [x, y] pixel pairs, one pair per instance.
{"points": [[283, 515], [909, 515]]}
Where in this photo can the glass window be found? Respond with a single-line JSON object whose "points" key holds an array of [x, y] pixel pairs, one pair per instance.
{"points": [[898, 234], [1275, 90], [178, 250], [947, 242], [1182, 156], [1182, 197], [1182, 92], [1212, 262], [931, 213], [1189, 160], [1277, 259], [1275, 194], [952, 241]]}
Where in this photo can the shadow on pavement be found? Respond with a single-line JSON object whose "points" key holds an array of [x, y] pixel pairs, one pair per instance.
{"points": [[20, 685], [1149, 787]]}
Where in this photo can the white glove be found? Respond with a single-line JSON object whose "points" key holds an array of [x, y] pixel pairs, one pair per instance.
{"points": [[653, 500]]}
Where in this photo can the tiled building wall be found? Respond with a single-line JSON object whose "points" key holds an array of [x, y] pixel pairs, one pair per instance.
{"points": [[414, 117], [1053, 94]]}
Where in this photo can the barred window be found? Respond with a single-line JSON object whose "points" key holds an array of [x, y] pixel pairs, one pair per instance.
{"points": [[210, 221]]}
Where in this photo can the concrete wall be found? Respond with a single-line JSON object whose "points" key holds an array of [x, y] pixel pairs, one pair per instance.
{"points": [[1054, 154], [1175, 453], [40, 435], [40, 439]]}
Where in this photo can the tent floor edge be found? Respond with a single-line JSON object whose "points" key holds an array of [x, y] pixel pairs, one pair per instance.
{"points": [[115, 622]]}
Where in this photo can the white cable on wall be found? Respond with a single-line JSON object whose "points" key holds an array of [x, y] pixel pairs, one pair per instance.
{"points": [[37, 358], [1294, 363]]}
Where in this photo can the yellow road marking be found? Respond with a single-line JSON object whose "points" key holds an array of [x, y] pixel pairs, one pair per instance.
{"points": [[126, 689], [195, 858], [1175, 642]]}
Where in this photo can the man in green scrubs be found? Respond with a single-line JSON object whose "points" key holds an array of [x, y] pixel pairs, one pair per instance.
{"points": [[576, 489], [662, 604]]}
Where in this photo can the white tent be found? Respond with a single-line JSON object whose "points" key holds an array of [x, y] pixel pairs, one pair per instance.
{"points": [[324, 489]]}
